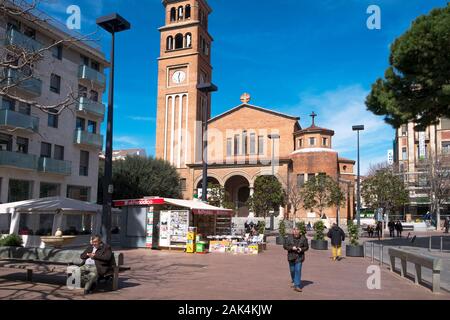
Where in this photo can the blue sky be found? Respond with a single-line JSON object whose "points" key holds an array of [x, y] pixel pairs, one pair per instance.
{"points": [[293, 56]]}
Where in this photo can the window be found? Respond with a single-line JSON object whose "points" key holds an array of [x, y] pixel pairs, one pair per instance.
{"points": [[49, 190], [180, 13], [300, 180], [55, 83], [78, 193], [169, 43], [324, 142], [84, 163], [29, 32], [404, 130], [236, 144], [95, 65], [244, 142], [80, 124], [188, 11], [58, 153], [24, 108], [173, 15], [404, 154], [93, 96], [20, 190], [260, 145], [8, 104], [311, 176], [52, 121], [22, 145], [5, 142], [446, 147], [179, 39], [5, 223], [46, 150], [299, 143], [84, 60], [183, 185], [92, 126], [312, 141], [82, 91], [57, 51], [229, 147], [252, 143], [188, 40], [445, 124]]}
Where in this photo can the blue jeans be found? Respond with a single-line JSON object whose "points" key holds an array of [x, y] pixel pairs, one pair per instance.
{"points": [[296, 273]]}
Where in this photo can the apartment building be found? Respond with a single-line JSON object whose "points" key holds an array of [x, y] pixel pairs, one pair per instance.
{"points": [[44, 154], [412, 149]]}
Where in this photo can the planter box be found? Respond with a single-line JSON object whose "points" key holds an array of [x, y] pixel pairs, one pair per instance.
{"points": [[280, 240], [354, 251], [319, 244]]}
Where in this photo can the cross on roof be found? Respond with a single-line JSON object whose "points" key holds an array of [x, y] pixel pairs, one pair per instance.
{"points": [[313, 116]]}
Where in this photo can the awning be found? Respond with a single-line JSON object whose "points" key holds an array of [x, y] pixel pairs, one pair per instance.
{"points": [[51, 205], [197, 207]]}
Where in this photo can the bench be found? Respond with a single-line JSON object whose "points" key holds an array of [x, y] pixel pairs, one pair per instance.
{"points": [[419, 261], [51, 260]]}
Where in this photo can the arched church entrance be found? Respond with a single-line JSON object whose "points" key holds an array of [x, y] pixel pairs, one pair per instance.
{"points": [[237, 189]]}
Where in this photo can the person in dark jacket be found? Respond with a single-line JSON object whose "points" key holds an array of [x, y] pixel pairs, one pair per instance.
{"points": [[446, 224], [379, 229], [97, 261], [337, 235], [399, 228], [296, 245], [391, 226]]}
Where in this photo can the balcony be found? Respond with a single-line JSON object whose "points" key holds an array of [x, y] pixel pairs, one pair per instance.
{"points": [[15, 120], [18, 39], [92, 76], [88, 139], [90, 106], [61, 167], [18, 160], [29, 85]]}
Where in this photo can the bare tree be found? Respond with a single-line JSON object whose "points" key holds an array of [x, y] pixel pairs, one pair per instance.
{"points": [[294, 195], [438, 180], [18, 59]]}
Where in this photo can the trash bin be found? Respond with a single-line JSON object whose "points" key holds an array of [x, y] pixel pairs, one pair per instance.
{"points": [[200, 247]]}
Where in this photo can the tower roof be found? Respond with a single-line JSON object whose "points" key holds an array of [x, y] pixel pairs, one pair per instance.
{"points": [[315, 129]]}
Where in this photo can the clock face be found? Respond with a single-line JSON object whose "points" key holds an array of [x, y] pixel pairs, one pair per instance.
{"points": [[179, 77]]}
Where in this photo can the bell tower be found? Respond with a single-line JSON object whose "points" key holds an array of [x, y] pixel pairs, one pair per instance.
{"points": [[184, 65]]}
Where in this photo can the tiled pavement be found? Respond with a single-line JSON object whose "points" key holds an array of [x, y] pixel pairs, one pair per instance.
{"points": [[170, 275]]}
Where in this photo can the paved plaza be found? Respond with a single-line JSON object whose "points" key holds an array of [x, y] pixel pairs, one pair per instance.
{"points": [[171, 275]]}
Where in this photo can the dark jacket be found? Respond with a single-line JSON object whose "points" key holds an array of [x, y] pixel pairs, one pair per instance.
{"points": [[104, 258], [399, 226], [337, 235], [301, 242], [391, 225]]}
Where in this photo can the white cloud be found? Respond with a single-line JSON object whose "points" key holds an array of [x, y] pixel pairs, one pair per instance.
{"points": [[127, 141], [339, 110]]}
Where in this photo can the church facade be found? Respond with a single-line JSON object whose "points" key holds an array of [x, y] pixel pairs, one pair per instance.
{"points": [[243, 143]]}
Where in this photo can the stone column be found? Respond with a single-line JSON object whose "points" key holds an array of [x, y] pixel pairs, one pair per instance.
{"points": [[14, 227], [252, 192]]}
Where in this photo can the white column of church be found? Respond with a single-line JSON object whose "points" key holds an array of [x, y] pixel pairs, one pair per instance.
{"points": [[165, 127], [180, 130], [172, 130], [187, 138]]}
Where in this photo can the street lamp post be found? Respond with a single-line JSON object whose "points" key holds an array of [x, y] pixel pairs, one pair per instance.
{"points": [[206, 88], [112, 23], [358, 129], [273, 137]]}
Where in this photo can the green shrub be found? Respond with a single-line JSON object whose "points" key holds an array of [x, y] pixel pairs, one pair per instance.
{"points": [[11, 240], [319, 227], [282, 228], [301, 226], [353, 233], [261, 227]]}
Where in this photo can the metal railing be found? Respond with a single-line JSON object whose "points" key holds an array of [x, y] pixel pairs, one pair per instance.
{"points": [[14, 119], [93, 75], [48, 165], [87, 138], [16, 38], [18, 160], [17, 79], [90, 106]]}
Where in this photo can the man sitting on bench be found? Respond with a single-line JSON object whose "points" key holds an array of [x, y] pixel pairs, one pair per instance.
{"points": [[97, 262]]}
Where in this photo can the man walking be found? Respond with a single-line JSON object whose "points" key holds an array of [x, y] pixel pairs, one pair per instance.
{"points": [[97, 261], [399, 228], [446, 224], [337, 235], [296, 245], [391, 226]]}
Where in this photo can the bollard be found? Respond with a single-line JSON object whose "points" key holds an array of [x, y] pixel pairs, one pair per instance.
{"points": [[373, 251], [442, 244], [381, 255], [429, 245]]}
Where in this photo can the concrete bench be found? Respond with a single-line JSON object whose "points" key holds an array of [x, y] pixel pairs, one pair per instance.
{"points": [[50, 260], [419, 261]]}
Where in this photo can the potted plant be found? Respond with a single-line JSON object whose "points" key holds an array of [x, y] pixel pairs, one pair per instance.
{"points": [[319, 242], [354, 249], [301, 226], [11, 240], [282, 231]]}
